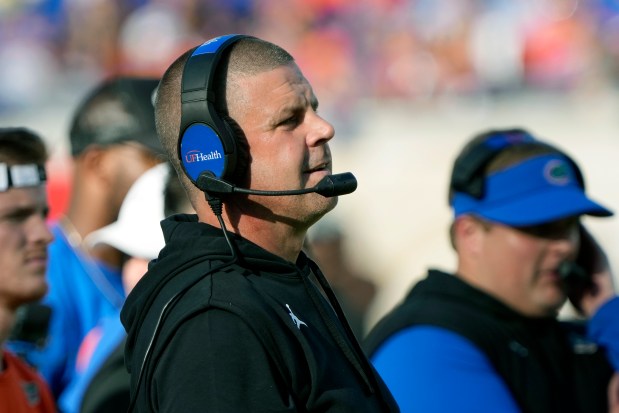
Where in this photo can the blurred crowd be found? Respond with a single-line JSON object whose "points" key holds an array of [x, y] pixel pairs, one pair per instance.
{"points": [[350, 49], [422, 51]]}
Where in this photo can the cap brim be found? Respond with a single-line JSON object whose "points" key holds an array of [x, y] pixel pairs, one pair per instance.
{"points": [[133, 243], [544, 207], [148, 140], [137, 231]]}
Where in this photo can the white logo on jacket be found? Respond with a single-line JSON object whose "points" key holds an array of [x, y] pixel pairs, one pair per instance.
{"points": [[295, 319]]}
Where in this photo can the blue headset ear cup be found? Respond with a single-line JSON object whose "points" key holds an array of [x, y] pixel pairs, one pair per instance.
{"points": [[202, 149]]}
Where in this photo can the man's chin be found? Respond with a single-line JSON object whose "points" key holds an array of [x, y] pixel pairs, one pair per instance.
{"points": [[327, 207], [36, 292], [552, 303]]}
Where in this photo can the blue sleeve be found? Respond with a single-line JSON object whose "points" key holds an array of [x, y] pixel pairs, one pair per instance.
{"points": [[430, 369], [603, 329], [111, 334]]}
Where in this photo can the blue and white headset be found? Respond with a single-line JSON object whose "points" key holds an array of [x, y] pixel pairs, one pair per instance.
{"points": [[207, 142]]}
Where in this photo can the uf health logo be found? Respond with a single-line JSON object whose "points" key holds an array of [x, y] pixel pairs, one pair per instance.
{"points": [[199, 156]]}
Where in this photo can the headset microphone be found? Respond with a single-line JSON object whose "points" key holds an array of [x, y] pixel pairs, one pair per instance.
{"points": [[335, 185], [329, 186]]}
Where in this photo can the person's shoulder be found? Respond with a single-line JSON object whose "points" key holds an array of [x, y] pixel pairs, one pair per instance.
{"points": [[439, 300], [419, 362], [63, 257], [19, 368], [228, 284], [34, 387], [236, 292], [428, 341]]}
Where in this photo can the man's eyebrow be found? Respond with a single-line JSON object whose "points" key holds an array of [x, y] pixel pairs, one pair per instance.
{"points": [[16, 211], [292, 108], [314, 102], [24, 210]]}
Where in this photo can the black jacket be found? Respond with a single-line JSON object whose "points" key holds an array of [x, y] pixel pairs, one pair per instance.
{"points": [[549, 366], [253, 336]]}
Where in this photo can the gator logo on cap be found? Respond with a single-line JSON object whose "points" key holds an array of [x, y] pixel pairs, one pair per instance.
{"points": [[557, 172]]}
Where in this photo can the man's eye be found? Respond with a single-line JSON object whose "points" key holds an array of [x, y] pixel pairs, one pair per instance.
{"points": [[554, 230], [16, 217], [293, 120]]}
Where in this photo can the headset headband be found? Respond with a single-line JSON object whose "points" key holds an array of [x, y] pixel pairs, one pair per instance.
{"points": [[469, 168]]}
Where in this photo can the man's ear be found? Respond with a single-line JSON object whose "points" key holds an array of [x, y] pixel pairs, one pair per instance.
{"points": [[468, 234], [91, 161]]}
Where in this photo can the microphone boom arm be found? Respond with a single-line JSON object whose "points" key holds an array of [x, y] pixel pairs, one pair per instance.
{"points": [[331, 185]]}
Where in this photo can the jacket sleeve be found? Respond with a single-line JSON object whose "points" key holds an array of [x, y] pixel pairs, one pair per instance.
{"points": [[603, 329], [216, 364], [430, 369]]}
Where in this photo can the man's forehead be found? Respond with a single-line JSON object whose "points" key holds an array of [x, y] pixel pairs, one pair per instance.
{"points": [[33, 197], [283, 85]]}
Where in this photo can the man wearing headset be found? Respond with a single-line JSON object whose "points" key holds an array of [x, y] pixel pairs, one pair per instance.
{"points": [[486, 338], [232, 316]]}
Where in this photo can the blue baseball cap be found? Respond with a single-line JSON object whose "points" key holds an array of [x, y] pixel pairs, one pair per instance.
{"points": [[536, 191]]}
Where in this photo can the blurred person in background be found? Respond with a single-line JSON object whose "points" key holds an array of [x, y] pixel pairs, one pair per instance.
{"points": [[24, 237], [326, 244], [486, 338], [113, 141], [101, 381]]}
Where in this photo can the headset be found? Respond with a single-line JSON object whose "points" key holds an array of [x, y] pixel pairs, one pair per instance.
{"points": [[207, 142], [468, 173], [208, 147]]}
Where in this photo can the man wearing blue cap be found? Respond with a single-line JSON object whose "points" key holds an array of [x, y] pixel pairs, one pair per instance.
{"points": [[487, 338]]}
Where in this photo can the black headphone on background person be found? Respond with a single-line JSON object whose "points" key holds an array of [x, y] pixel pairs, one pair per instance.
{"points": [[207, 142], [468, 174]]}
